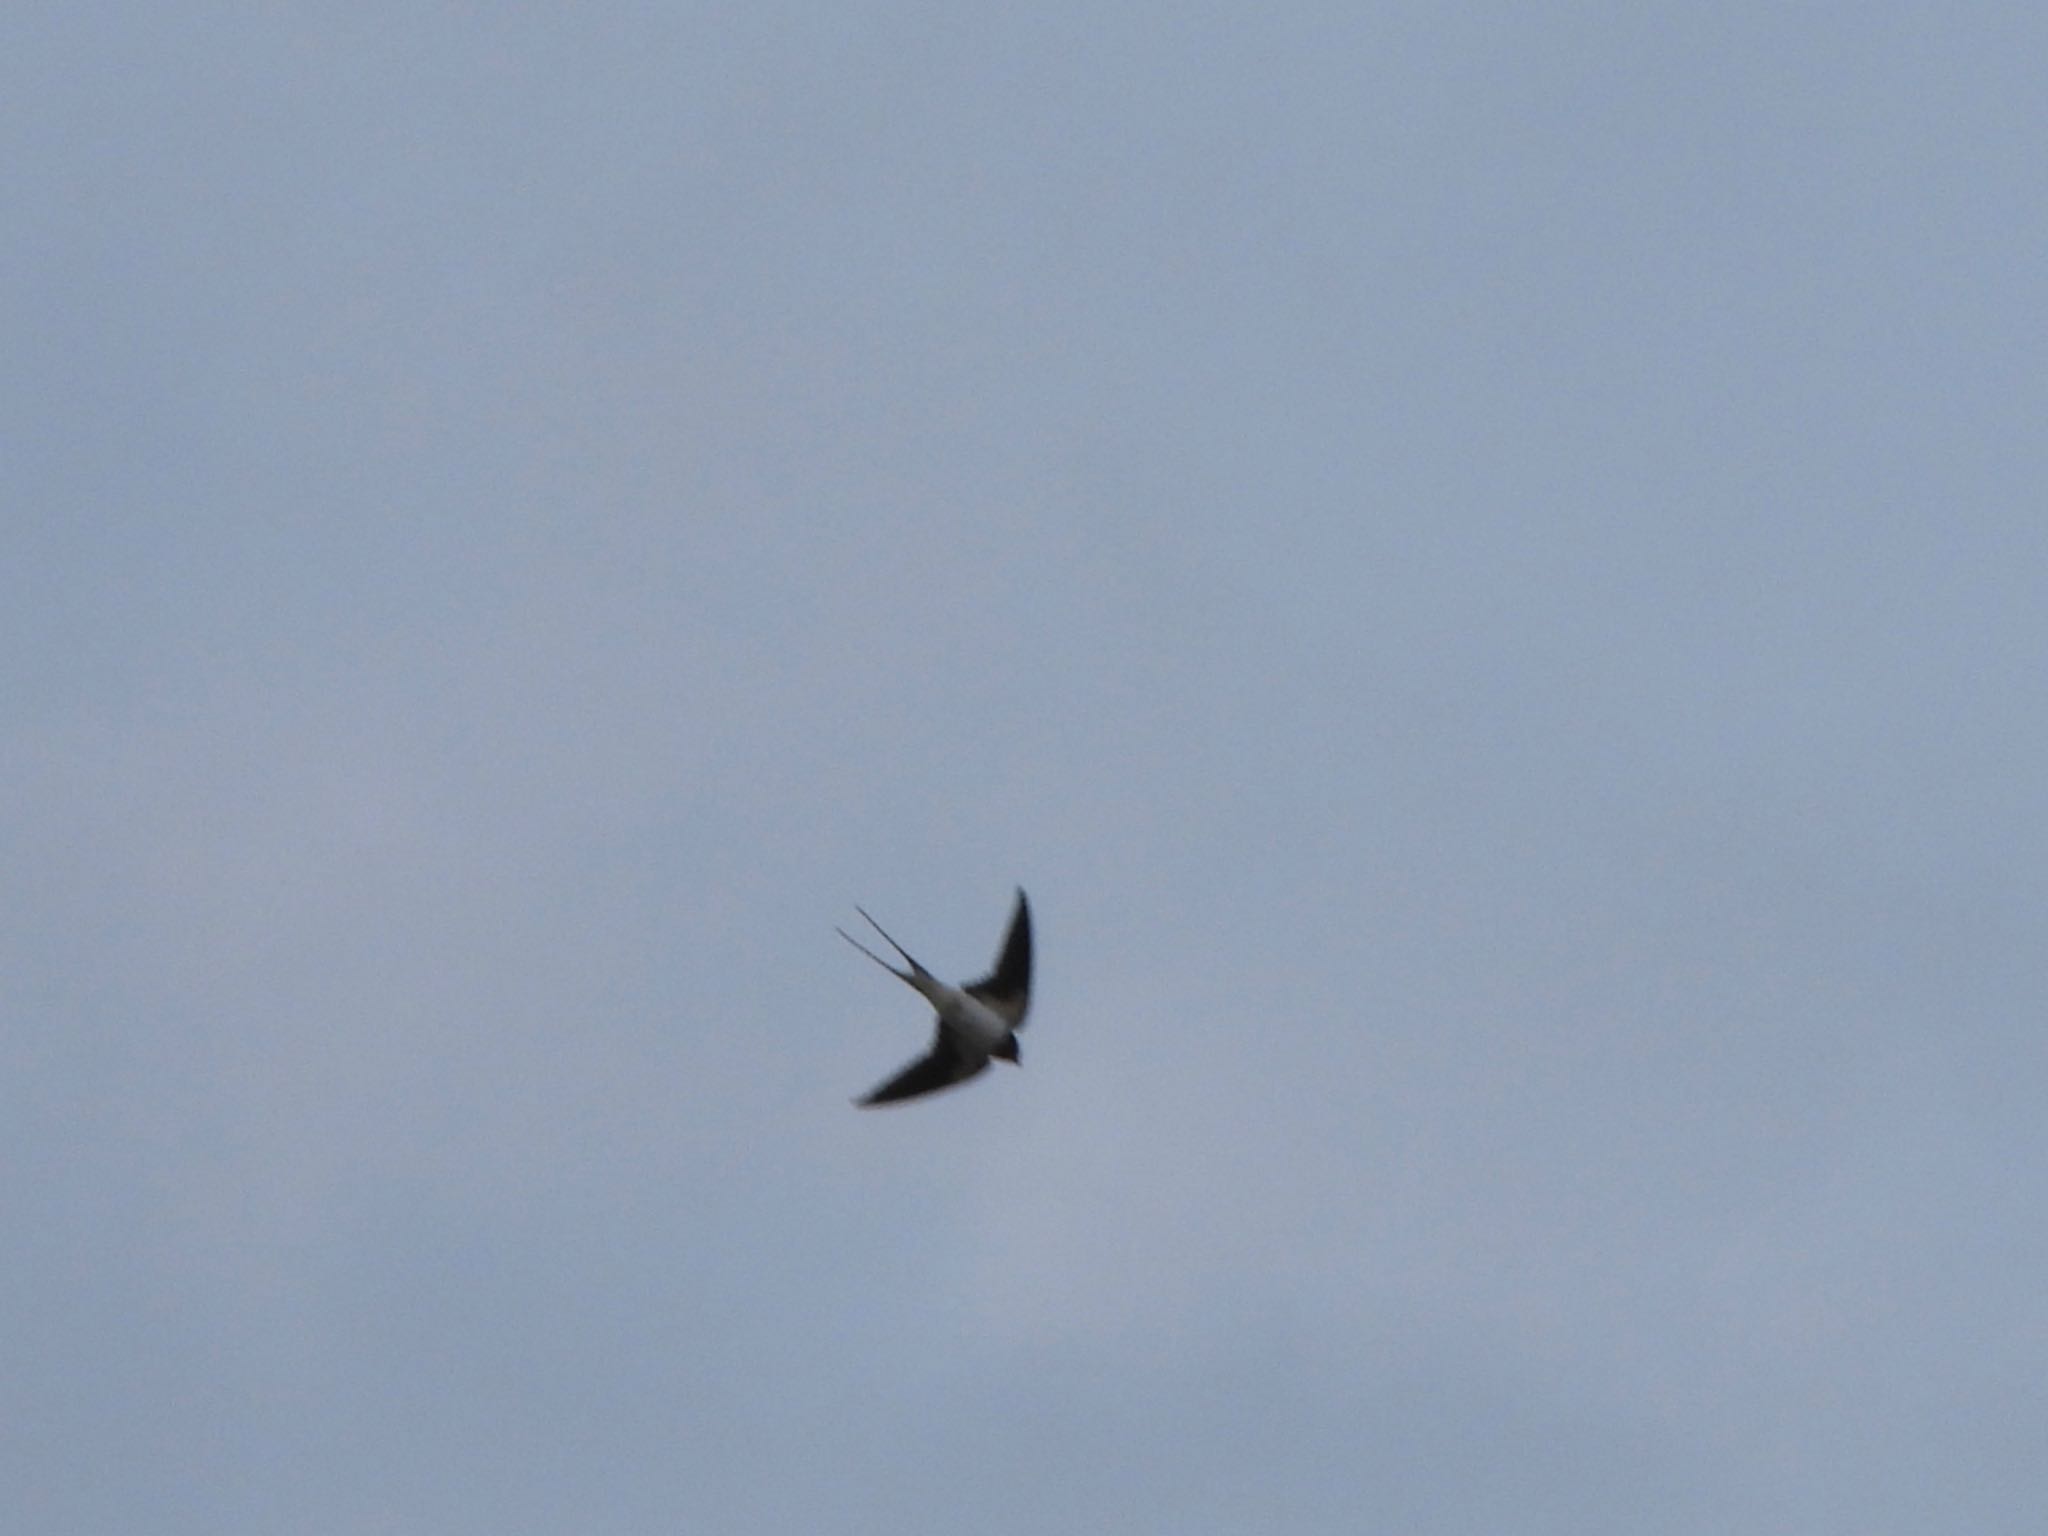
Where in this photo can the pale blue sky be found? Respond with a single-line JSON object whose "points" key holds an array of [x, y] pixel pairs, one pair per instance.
{"points": [[1484, 565]]}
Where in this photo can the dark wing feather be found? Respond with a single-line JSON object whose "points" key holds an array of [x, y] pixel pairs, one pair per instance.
{"points": [[946, 1064], [1007, 989]]}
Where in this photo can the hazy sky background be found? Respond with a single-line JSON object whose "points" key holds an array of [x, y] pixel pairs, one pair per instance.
{"points": [[1484, 565]]}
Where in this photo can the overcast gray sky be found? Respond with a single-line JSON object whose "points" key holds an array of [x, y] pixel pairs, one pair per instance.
{"points": [[1484, 565]]}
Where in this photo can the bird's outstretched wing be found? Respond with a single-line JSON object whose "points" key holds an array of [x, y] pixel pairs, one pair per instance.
{"points": [[947, 1063], [1007, 989]]}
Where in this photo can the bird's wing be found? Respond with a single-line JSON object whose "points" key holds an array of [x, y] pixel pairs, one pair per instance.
{"points": [[947, 1063], [1007, 989]]}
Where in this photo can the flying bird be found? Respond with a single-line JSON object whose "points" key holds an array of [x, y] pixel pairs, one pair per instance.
{"points": [[976, 1023]]}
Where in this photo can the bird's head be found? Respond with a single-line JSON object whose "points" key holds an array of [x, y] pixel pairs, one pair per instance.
{"points": [[1007, 1050]]}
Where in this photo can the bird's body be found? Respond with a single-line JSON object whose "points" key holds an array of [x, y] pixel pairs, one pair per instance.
{"points": [[961, 1011], [976, 1024]]}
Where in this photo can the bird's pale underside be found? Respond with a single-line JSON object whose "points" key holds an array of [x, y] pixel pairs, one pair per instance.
{"points": [[975, 1024]]}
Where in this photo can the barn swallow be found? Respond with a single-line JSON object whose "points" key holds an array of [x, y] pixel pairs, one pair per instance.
{"points": [[976, 1023]]}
